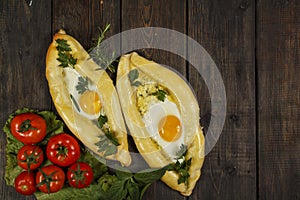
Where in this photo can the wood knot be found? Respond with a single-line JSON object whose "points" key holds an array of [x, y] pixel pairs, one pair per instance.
{"points": [[244, 5], [230, 170], [234, 117]]}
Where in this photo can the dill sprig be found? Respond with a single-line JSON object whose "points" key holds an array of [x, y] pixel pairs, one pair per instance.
{"points": [[104, 61]]}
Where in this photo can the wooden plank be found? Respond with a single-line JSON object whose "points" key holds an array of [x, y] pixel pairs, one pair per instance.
{"points": [[226, 31], [24, 37], [278, 53], [82, 19], [167, 14]]}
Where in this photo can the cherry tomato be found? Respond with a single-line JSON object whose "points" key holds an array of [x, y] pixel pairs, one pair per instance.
{"points": [[50, 179], [25, 183], [63, 149], [30, 157], [80, 175], [28, 128]]}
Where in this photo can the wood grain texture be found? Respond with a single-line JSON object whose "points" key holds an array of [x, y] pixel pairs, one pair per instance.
{"points": [[263, 96], [24, 37], [226, 30], [278, 69], [167, 14]]}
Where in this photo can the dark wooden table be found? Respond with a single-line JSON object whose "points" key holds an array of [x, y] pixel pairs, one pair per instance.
{"points": [[255, 44]]}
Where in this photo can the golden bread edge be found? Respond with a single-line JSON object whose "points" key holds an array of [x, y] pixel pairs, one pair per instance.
{"points": [[63, 104], [145, 145]]}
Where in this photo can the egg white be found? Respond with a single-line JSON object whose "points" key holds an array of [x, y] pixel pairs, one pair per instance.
{"points": [[151, 118], [71, 77]]}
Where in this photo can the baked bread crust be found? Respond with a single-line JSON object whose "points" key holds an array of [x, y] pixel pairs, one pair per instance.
{"points": [[189, 109], [81, 127]]}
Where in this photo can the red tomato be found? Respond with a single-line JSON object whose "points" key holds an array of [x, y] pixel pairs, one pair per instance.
{"points": [[50, 179], [80, 175], [63, 149], [28, 128], [25, 183], [30, 157]]}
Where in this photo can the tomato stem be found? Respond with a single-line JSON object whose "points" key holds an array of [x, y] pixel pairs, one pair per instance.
{"points": [[25, 126], [78, 175], [62, 151], [47, 179]]}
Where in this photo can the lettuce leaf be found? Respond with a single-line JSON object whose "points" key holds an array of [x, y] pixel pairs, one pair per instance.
{"points": [[54, 126], [89, 193]]}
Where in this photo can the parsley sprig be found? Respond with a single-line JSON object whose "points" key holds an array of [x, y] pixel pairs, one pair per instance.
{"points": [[182, 166], [64, 54], [132, 186], [82, 85], [108, 142]]}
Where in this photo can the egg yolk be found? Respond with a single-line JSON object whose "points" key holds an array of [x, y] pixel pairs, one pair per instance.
{"points": [[90, 103], [169, 128]]}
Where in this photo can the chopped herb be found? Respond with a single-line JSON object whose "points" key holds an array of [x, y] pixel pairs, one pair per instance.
{"points": [[64, 56], [182, 166], [112, 138], [82, 85], [161, 95], [102, 119], [108, 142], [106, 145], [63, 45], [132, 76], [75, 102]]}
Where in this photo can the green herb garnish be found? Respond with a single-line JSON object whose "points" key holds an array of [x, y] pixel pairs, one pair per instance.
{"points": [[97, 54], [82, 85], [132, 76], [108, 142], [63, 45], [75, 102], [102, 119], [161, 95], [64, 56], [105, 145], [132, 186], [182, 166]]}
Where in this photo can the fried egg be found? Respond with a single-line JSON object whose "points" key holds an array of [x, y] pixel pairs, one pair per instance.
{"points": [[163, 123], [86, 101]]}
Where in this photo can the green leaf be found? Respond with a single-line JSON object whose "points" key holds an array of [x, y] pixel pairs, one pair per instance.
{"points": [[105, 182], [107, 144], [123, 173], [144, 189], [133, 75], [62, 45], [75, 103], [133, 190], [117, 191], [150, 175], [102, 119], [70, 193], [136, 83], [82, 85], [112, 138], [161, 95], [64, 56]]}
